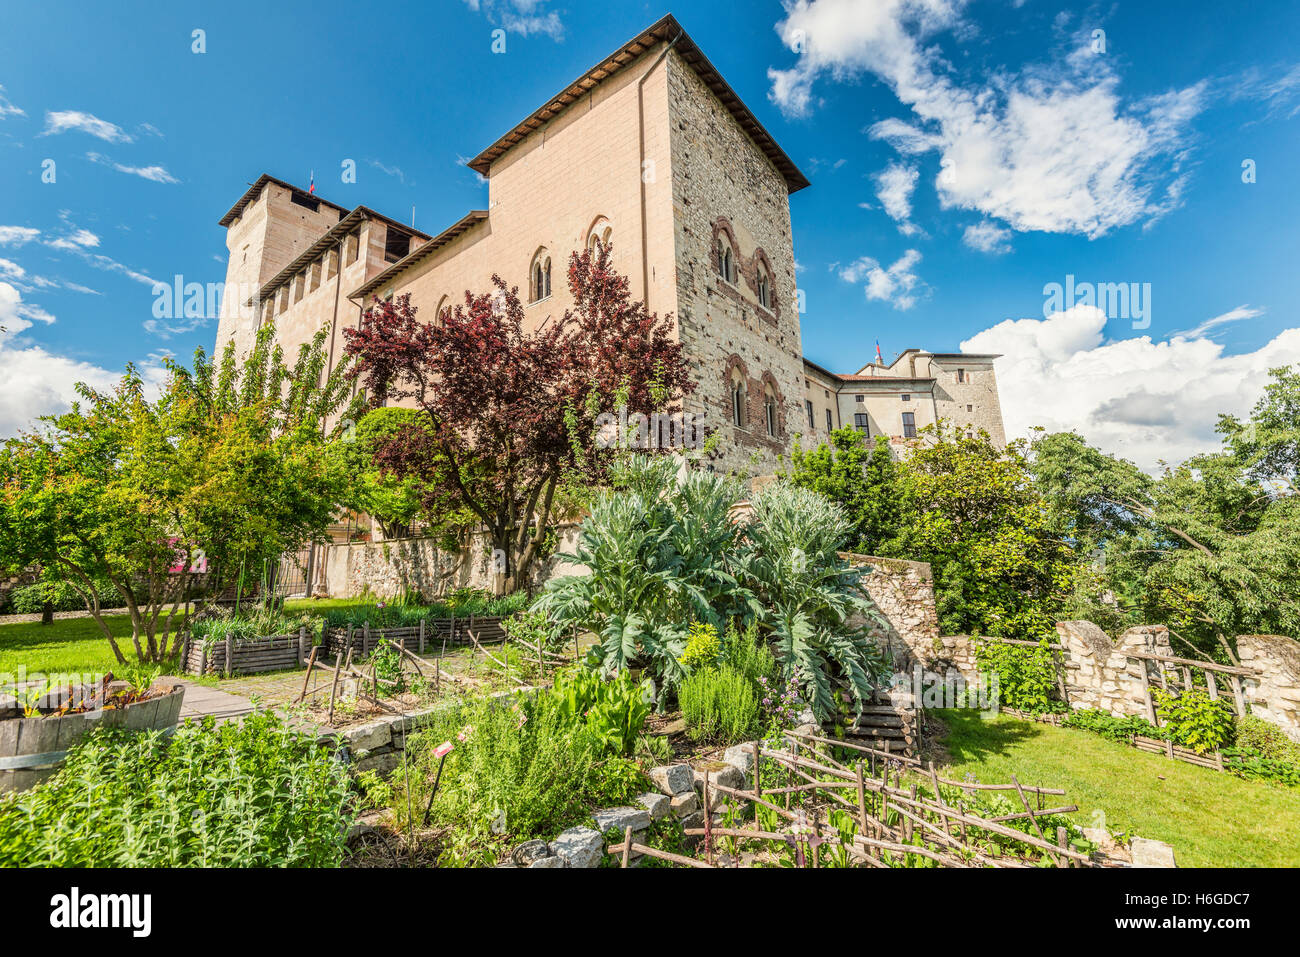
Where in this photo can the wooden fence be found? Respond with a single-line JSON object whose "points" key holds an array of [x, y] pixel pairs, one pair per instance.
{"points": [[433, 634], [231, 656], [892, 820]]}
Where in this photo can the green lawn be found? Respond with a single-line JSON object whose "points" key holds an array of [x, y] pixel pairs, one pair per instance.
{"points": [[1212, 819], [67, 645], [77, 644]]}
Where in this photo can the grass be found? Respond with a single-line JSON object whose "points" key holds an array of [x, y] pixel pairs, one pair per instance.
{"points": [[1212, 819], [70, 645]]}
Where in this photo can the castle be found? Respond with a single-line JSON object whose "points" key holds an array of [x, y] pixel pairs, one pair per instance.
{"points": [[649, 149]]}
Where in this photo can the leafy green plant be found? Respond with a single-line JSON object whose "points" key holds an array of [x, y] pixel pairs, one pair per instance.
{"points": [[249, 794], [703, 647], [614, 711], [516, 771], [1026, 676], [1195, 719], [1267, 739], [1112, 727]]}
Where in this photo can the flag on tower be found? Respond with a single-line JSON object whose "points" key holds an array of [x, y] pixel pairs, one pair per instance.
{"points": [[311, 187], [880, 360]]}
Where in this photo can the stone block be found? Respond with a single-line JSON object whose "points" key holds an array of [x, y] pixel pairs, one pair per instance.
{"points": [[1149, 853], [579, 847], [367, 737], [673, 778], [547, 862], [620, 818], [658, 805], [740, 756], [685, 804]]}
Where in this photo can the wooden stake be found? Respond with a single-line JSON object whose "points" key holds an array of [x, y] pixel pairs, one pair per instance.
{"points": [[311, 663], [627, 845]]}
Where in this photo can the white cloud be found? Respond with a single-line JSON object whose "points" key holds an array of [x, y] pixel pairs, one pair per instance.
{"points": [[1052, 148], [525, 17], [1138, 398], [988, 238], [17, 235], [11, 270], [6, 107], [894, 186], [1232, 315], [36, 382], [63, 120], [158, 174], [898, 284]]}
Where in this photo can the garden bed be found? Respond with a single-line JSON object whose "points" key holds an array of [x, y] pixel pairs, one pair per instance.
{"points": [[432, 633], [235, 656]]}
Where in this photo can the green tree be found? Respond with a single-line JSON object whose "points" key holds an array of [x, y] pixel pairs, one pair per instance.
{"points": [[226, 467], [1210, 547], [864, 480], [971, 510]]}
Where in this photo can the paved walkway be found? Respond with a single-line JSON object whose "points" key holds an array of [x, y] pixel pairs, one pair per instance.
{"points": [[201, 701]]}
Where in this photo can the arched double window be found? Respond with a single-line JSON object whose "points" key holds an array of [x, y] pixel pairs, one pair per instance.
{"points": [[737, 398], [444, 306], [764, 287], [726, 260], [770, 411], [540, 276], [599, 235]]}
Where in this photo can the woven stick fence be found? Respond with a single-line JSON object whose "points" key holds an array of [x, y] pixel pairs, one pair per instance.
{"points": [[891, 821]]}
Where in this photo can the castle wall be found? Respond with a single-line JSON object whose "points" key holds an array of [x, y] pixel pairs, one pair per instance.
{"points": [[583, 166], [269, 234]]}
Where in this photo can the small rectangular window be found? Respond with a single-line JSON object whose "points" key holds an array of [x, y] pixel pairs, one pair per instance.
{"points": [[961, 375], [909, 425], [860, 423], [859, 398], [970, 408], [907, 397], [812, 422], [830, 423]]}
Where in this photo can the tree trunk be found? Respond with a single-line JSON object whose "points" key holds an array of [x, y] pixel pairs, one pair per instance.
{"points": [[47, 613]]}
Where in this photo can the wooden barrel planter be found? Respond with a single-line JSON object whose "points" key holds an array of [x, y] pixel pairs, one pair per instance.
{"points": [[33, 749]]}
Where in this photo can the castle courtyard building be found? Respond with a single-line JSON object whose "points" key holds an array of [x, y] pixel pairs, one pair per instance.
{"points": [[649, 150]]}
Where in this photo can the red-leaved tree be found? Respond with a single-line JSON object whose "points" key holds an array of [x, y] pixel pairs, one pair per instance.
{"points": [[513, 412]]}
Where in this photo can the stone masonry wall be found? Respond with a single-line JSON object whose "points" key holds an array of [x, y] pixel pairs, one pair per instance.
{"points": [[904, 593], [388, 568], [725, 187], [1100, 676], [1275, 694]]}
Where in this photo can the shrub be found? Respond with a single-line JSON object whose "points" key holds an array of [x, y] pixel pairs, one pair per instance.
{"points": [[1195, 719], [30, 599], [1266, 739], [1026, 676], [253, 794], [806, 598], [703, 649], [720, 705], [515, 772], [1111, 726], [749, 654]]}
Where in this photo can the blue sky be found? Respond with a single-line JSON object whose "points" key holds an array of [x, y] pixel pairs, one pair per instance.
{"points": [[962, 157]]}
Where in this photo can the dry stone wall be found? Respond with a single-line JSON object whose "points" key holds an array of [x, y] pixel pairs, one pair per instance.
{"points": [[1275, 694]]}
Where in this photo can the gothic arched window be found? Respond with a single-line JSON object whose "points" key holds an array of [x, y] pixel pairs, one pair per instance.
{"points": [[540, 276]]}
